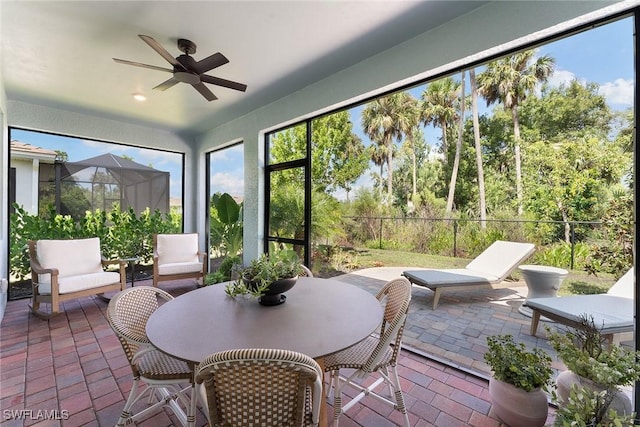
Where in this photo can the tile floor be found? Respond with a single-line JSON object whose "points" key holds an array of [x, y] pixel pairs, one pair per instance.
{"points": [[74, 364]]}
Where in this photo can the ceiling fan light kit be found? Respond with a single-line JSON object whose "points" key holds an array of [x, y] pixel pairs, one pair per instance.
{"points": [[186, 69]]}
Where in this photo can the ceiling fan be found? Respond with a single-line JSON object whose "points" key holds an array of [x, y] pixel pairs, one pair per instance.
{"points": [[186, 69]]}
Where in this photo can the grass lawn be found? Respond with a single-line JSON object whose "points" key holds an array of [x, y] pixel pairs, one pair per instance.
{"points": [[577, 281]]}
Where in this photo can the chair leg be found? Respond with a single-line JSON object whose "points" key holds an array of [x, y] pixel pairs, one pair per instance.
{"points": [[337, 397], [126, 415], [398, 396]]}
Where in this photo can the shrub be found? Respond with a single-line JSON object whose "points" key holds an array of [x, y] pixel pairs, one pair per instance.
{"points": [[512, 363]]}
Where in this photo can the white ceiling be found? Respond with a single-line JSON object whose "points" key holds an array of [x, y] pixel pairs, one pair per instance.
{"points": [[59, 53]]}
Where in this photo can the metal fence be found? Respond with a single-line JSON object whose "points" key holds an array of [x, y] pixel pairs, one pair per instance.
{"points": [[571, 232]]}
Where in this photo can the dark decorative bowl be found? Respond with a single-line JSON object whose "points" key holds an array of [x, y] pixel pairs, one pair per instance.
{"points": [[273, 294]]}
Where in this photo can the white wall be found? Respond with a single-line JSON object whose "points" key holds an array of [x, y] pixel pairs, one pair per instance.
{"points": [[27, 184], [476, 33], [4, 162]]}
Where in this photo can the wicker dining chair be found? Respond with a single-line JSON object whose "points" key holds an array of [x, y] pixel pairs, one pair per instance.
{"points": [[378, 353], [260, 387], [162, 377]]}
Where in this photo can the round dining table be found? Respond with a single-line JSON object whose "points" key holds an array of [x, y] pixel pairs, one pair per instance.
{"points": [[318, 318]]}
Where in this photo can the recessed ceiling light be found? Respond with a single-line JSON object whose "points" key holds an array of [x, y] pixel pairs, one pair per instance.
{"points": [[139, 97]]}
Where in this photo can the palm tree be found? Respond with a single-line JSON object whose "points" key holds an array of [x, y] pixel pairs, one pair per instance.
{"points": [[456, 159], [386, 119], [440, 107], [478, 145], [379, 157], [510, 80]]}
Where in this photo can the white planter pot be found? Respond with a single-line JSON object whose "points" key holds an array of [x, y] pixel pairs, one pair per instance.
{"points": [[621, 402], [516, 407]]}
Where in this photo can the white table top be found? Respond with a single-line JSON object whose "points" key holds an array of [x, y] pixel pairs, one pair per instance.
{"points": [[542, 269], [320, 317]]}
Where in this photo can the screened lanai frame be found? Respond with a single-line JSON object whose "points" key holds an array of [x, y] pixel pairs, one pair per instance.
{"points": [[109, 179], [449, 71]]}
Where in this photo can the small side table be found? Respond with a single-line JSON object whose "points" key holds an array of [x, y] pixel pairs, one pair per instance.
{"points": [[132, 261], [542, 282]]}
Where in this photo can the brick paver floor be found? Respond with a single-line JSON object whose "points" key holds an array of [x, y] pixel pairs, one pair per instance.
{"points": [[74, 364]]}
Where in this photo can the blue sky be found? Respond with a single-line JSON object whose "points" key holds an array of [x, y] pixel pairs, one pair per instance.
{"points": [[603, 55]]}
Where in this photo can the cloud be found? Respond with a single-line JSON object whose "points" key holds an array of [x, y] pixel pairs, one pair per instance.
{"points": [[620, 91], [560, 77], [227, 183]]}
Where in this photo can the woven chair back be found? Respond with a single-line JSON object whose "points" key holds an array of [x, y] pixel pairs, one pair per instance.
{"points": [[128, 313], [395, 296], [253, 387]]}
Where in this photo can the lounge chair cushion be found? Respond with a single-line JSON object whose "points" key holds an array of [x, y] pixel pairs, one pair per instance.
{"points": [[70, 257], [490, 267], [500, 259], [610, 313], [624, 286], [450, 277]]}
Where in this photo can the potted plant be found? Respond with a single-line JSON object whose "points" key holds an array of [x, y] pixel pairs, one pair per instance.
{"points": [[267, 277], [519, 381], [587, 407], [593, 362]]}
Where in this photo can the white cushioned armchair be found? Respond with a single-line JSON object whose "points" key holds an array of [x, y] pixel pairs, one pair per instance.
{"points": [[176, 256], [67, 269]]}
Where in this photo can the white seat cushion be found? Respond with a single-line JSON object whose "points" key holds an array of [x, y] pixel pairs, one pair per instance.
{"points": [[179, 268], [80, 282]]}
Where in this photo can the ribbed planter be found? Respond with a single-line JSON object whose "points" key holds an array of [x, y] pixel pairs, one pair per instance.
{"points": [[621, 402], [516, 407]]}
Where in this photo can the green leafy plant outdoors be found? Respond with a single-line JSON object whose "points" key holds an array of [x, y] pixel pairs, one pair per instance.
{"points": [[587, 353], [226, 227], [586, 407], [512, 363], [122, 233]]}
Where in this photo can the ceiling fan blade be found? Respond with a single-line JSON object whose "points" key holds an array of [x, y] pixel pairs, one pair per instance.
{"points": [[167, 84], [204, 91], [223, 82], [162, 51], [210, 62], [138, 64]]}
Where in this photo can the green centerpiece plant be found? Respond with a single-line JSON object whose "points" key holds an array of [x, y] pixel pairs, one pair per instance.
{"points": [[256, 279]]}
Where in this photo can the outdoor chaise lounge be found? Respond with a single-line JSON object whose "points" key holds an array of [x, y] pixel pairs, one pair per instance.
{"points": [[612, 312], [490, 267]]}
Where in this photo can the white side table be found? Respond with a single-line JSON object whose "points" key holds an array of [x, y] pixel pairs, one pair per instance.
{"points": [[542, 282]]}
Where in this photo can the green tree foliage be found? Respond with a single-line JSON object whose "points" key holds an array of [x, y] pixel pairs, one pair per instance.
{"points": [[338, 155], [510, 81], [387, 120], [570, 162], [440, 105]]}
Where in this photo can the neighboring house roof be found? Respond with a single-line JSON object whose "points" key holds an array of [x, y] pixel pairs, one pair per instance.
{"points": [[22, 150]]}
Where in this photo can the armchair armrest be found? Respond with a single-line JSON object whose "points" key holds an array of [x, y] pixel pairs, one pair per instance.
{"points": [[38, 269]]}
